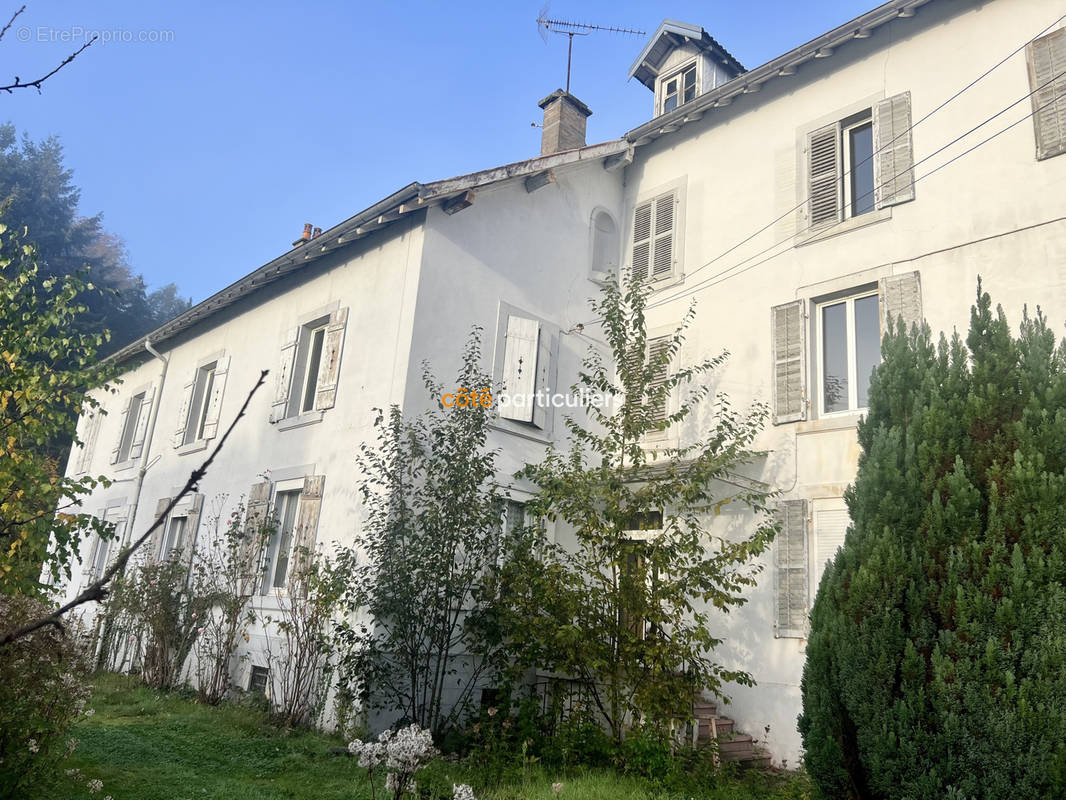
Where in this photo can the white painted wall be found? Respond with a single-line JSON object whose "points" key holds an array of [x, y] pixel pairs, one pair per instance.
{"points": [[997, 212]]}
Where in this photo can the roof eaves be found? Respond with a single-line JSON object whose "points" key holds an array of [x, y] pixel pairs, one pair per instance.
{"points": [[782, 66]]}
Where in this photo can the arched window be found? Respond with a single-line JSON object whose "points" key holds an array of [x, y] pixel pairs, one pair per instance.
{"points": [[605, 246]]}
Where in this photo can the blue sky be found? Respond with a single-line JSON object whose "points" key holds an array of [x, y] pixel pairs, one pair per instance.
{"points": [[206, 152]]}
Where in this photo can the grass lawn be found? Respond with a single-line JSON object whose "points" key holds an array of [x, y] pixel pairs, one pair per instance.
{"points": [[148, 746]]}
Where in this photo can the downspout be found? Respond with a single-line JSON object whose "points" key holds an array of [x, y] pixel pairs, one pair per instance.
{"points": [[147, 440]]}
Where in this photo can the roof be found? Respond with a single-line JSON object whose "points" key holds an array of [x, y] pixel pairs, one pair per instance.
{"points": [[780, 68], [451, 194], [670, 35]]}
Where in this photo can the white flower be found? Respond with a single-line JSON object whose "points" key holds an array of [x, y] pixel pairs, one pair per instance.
{"points": [[95, 785], [409, 749], [33, 746], [557, 787], [89, 712], [392, 783], [462, 792]]}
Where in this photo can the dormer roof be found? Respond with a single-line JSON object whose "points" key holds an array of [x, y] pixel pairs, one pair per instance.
{"points": [[671, 35]]}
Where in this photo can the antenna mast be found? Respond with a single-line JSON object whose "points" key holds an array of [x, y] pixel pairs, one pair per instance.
{"points": [[546, 25]]}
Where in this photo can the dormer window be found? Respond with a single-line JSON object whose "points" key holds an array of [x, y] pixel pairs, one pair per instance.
{"points": [[679, 88]]}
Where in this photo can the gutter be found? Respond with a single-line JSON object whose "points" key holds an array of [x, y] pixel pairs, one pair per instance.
{"points": [[149, 435]]}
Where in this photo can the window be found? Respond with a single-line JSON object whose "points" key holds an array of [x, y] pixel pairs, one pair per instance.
{"points": [[259, 680], [1046, 57], [279, 547], [605, 246], [860, 163], [310, 367], [657, 399], [830, 528], [790, 570], [134, 412], [526, 369], [653, 256], [175, 541], [636, 577], [102, 548], [849, 347], [201, 403], [679, 88], [100, 560], [205, 382]]}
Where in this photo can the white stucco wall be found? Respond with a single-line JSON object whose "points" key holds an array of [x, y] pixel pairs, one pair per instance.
{"points": [[996, 212]]}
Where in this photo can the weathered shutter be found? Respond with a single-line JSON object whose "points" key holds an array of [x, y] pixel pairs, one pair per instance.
{"points": [[1047, 81], [142, 425], [900, 296], [830, 528], [192, 525], [641, 267], [824, 186], [250, 552], [183, 412], [329, 366], [790, 570], [893, 151], [306, 529], [155, 543], [663, 256], [117, 544], [121, 430], [542, 380], [283, 382], [788, 334], [214, 402], [88, 444], [519, 368], [656, 347]]}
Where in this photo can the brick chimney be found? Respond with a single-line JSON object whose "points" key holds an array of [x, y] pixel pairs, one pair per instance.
{"points": [[564, 122], [305, 236]]}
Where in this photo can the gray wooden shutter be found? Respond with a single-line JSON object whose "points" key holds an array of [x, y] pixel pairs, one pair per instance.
{"points": [[519, 368], [306, 528], [900, 296], [1046, 57], [641, 257], [824, 186], [830, 530], [183, 411], [329, 366], [192, 526], [656, 347], [788, 333], [790, 571], [121, 430], [88, 444], [142, 425], [893, 151], [542, 380], [155, 543], [214, 402], [250, 552], [283, 382], [663, 255]]}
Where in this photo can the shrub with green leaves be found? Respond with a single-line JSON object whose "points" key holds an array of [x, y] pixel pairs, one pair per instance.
{"points": [[936, 665]]}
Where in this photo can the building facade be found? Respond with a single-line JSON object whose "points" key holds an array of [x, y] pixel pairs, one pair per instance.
{"points": [[877, 170]]}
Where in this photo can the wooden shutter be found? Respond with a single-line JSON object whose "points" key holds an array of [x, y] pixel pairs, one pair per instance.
{"points": [[1046, 57], [329, 366], [790, 570], [824, 186], [155, 543], [214, 402], [251, 549], [788, 333], [121, 430], [830, 528], [519, 368], [283, 382], [143, 418], [663, 255], [641, 258], [656, 347], [303, 544], [183, 411], [88, 443], [893, 151], [192, 525], [542, 380], [900, 296]]}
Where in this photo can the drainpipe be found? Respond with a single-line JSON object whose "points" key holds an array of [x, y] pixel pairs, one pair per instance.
{"points": [[147, 441]]}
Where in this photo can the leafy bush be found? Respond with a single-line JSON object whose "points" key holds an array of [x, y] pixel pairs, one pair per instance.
{"points": [[936, 665], [43, 690]]}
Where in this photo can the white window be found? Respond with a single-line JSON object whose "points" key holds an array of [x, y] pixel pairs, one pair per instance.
{"points": [[605, 247], [849, 347], [678, 88], [278, 553], [310, 364], [205, 382], [175, 539], [103, 548], [657, 400], [830, 526], [526, 370], [135, 419], [857, 142], [312, 357], [654, 256]]}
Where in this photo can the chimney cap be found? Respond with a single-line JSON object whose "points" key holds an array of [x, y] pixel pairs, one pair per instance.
{"points": [[561, 94]]}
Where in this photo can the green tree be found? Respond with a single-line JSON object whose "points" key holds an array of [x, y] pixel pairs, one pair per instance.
{"points": [[46, 370], [936, 665], [631, 616], [423, 572]]}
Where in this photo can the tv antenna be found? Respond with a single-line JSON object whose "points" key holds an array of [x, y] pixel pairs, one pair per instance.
{"points": [[546, 25]]}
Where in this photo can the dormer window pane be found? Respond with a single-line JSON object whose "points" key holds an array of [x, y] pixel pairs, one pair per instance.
{"points": [[679, 88]]}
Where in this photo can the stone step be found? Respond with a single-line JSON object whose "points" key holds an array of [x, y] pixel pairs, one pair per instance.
{"points": [[735, 743], [723, 726]]}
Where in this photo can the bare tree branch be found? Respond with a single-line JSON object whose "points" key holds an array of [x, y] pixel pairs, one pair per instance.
{"points": [[98, 590], [18, 84]]}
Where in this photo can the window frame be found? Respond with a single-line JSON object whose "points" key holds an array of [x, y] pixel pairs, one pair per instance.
{"points": [[201, 402], [129, 429], [848, 299], [679, 73], [863, 119], [168, 547], [269, 558]]}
